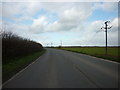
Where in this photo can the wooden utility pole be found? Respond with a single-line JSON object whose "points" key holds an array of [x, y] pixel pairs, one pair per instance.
{"points": [[106, 27], [51, 44], [61, 43], [106, 34]]}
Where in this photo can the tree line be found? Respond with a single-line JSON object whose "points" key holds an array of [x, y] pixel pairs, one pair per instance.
{"points": [[15, 46]]}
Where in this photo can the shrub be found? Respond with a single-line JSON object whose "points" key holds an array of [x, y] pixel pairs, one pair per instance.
{"points": [[15, 46]]}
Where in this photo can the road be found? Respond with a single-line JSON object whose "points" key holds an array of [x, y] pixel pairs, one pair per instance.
{"points": [[65, 69]]}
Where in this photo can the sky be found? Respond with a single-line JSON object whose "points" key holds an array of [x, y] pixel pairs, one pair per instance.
{"points": [[72, 23]]}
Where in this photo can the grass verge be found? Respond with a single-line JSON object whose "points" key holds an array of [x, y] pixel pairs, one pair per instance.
{"points": [[10, 69], [99, 55]]}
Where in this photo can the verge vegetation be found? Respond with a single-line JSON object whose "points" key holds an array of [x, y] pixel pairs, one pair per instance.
{"points": [[97, 52], [17, 53]]}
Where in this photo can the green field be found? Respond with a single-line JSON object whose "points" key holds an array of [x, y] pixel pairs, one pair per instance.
{"points": [[98, 52]]}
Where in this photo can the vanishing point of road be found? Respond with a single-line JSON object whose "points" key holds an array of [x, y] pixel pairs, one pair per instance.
{"points": [[64, 69]]}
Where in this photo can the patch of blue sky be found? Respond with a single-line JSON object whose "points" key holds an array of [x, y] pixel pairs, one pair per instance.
{"points": [[40, 13], [100, 14], [18, 15], [27, 22], [51, 16], [1, 18], [8, 20]]}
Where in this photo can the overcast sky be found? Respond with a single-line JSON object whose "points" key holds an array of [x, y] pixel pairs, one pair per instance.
{"points": [[75, 23]]}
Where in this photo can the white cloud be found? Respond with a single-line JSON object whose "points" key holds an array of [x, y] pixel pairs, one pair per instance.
{"points": [[95, 36], [114, 23], [19, 11], [11, 9], [72, 18], [22, 19], [60, 1], [19, 29], [0, 9], [74, 15], [107, 6], [38, 25]]}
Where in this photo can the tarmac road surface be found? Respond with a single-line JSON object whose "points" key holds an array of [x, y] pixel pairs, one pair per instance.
{"points": [[65, 69]]}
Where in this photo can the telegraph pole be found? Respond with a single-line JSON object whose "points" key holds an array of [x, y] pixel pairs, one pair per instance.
{"points": [[106, 27], [51, 44], [106, 34], [61, 43], [47, 44]]}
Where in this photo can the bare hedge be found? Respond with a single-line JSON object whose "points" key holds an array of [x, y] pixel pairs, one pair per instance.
{"points": [[15, 46]]}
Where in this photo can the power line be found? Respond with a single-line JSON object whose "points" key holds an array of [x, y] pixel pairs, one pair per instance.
{"points": [[94, 35]]}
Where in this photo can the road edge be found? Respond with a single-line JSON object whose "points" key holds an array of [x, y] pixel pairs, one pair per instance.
{"points": [[93, 56], [21, 70]]}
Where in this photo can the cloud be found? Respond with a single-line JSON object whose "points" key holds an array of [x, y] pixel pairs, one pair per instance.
{"points": [[19, 29], [70, 17], [12, 9], [71, 20], [114, 23], [106, 6], [60, 1], [109, 6], [74, 15], [90, 35], [19, 11], [0, 10], [38, 25], [93, 35]]}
